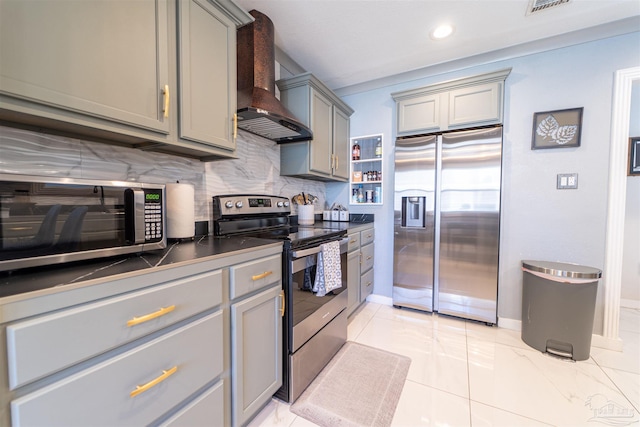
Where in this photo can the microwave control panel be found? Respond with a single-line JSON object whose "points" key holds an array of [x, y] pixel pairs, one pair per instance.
{"points": [[152, 215]]}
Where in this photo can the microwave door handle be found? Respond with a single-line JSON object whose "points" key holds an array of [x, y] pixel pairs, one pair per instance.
{"points": [[134, 213]]}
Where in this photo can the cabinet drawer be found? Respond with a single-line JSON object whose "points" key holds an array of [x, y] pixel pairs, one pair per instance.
{"points": [[367, 236], [101, 394], [251, 276], [367, 257], [366, 285], [205, 410], [354, 242], [43, 345]]}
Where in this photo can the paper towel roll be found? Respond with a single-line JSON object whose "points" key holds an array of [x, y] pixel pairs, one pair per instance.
{"points": [[180, 211]]}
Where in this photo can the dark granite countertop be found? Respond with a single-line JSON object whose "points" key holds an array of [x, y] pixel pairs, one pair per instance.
{"points": [[177, 252], [39, 278]]}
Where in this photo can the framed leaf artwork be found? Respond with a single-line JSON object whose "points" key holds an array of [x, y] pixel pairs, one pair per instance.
{"points": [[557, 129]]}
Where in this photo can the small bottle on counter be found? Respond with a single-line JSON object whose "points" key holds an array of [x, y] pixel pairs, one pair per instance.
{"points": [[355, 153]]}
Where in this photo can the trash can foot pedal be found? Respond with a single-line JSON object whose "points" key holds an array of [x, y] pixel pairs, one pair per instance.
{"points": [[558, 349]]}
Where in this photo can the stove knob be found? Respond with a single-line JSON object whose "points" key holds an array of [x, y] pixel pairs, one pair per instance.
{"points": [[286, 204], [280, 204], [238, 204], [228, 204]]}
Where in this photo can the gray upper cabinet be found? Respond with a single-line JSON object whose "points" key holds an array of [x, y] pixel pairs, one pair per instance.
{"points": [[326, 156], [102, 59], [158, 75], [207, 95], [455, 104]]}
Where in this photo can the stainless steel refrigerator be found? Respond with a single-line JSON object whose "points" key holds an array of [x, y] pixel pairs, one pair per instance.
{"points": [[447, 223]]}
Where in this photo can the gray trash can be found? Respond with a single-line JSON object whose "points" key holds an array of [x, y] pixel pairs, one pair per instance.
{"points": [[558, 305]]}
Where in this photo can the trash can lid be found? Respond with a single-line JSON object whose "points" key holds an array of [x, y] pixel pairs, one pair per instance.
{"points": [[562, 269]]}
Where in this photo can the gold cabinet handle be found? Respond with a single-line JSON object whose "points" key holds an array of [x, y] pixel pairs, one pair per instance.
{"points": [[165, 93], [142, 388], [281, 303], [352, 241], [261, 276], [368, 258], [337, 162], [150, 316], [235, 126]]}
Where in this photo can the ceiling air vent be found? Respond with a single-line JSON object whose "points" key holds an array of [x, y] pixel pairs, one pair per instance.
{"points": [[538, 5]]}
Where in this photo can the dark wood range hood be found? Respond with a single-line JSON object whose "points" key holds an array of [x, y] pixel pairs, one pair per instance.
{"points": [[259, 111]]}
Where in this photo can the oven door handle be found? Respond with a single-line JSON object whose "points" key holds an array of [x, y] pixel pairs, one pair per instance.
{"points": [[315, 250]]}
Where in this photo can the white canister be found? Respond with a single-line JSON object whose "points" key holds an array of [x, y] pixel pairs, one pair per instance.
{"points": [[180, 211], [305, 214]]}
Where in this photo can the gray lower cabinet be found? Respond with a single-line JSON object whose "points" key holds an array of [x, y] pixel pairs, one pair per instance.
{"points": [[162, 371], [455, 104], [326, 157], [197, 344], [208, 406], [353, 280], [157, 75], [257, 307], [360, 259], [367, 238]]}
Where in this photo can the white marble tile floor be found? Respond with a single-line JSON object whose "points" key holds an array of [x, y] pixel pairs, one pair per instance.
{"points": [[465, 373]]}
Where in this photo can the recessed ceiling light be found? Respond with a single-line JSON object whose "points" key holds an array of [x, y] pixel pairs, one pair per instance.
{"points": [[441, 32]]}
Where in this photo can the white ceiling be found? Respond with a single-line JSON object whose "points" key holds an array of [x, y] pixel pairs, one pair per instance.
{"points": [[346, 43]]}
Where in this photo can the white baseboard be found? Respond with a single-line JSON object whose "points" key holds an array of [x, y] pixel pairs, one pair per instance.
{"points": [[513, 324], [379, 299], [596, 340], [516, 325], [630, 303], [600, 341]]}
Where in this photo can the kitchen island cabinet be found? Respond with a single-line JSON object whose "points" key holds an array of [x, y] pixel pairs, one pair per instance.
{"points": [[157, 75], [144, 348], [326, 156]]}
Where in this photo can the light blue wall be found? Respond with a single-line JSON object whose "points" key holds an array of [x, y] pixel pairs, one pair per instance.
{"points": [[538, 221]]}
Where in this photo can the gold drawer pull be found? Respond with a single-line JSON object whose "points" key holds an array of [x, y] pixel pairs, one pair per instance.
{"points": [[368, 258], [142, 388], [235, 126], [165, 109], [261, 276], [368, 284], [147, 317], [282, 303], [352, 241]]}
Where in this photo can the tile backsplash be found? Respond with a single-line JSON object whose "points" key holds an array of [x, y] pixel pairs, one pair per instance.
{"points": [[257, 169]]}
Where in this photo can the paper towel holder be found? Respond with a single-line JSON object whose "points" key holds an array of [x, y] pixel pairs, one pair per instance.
{"points": [[180, 211]]}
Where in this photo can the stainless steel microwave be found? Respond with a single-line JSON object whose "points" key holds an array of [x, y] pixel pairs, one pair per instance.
{"points": [[47, 220]]}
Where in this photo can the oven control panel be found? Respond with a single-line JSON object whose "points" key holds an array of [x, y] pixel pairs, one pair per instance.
{"points": [[246, 204]]}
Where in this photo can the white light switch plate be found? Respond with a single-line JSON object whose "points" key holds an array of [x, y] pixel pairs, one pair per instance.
{"points": [[567, 181]]}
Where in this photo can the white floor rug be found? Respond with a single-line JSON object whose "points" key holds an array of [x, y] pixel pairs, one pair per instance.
{"points": [[360, 386]]}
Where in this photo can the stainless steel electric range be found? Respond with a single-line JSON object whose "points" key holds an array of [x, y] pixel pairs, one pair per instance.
{"points": [[315, 327]]}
